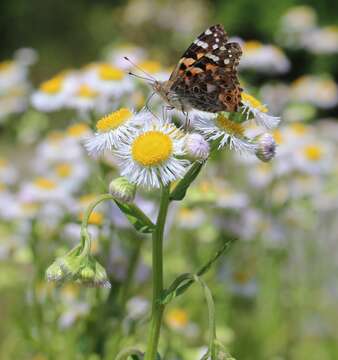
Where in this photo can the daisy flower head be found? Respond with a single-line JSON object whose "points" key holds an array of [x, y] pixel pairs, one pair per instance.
{"points": [[51, 95], [228, 132], [151, 155], [108, 80], [253, 107], [113, 129]]}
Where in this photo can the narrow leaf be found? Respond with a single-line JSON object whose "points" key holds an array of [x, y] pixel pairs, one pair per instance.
{"points": [[136, 217], [181, 188]]}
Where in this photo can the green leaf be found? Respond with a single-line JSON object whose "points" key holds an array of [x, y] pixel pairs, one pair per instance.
{"points": [[184, 281], [136, 217], [181, 188]]}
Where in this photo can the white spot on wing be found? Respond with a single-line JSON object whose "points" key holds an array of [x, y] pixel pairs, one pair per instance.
{"points": [[226, 61], [215, 46], [208, 32], [212, 57]]}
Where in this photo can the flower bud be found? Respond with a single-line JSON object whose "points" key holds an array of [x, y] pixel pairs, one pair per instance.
{"points": [[266, 147], [93, 274], [122, 189], [54, 272], [197, 147]]}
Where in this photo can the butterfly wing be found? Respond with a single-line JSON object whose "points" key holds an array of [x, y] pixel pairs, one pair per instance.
{"points": [[206, 75]]}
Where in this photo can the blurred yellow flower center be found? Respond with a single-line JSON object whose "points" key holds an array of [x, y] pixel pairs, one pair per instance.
{"points": [[77, 130], [299, 128], [277, 135], [313, 152], [229, 126], [95, 218], [52, 86], [3, 163], [241, 277], [85, 200], [55, 136], [252, 45], [152, 148], [113, 120], [177, 318], [63, 170], [253, 102], [45, 184], [5, 65], [151, 67], [85, 91], [109, 72]]}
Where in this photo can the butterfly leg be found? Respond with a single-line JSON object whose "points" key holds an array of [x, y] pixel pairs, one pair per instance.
{"points": [[187, 121]]}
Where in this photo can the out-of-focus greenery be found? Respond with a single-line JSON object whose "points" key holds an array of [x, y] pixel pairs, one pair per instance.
{"points": [[275, 292]]}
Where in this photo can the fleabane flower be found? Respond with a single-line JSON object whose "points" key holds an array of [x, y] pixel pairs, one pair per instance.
{"points": [[108, 80], [252, 106], [227, 132], [113, 129], [151, 156]]}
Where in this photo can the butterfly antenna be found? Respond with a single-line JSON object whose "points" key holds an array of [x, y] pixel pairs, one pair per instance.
{"points": [[150, 77], [140, 77]]}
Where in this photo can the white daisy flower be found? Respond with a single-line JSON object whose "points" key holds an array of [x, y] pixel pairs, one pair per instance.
{"points": [[252, 106], [11, 74], [264, 58], [108, 80], [227, 132], [51, 95], [113, 129], [83, 99], [150, 155]]}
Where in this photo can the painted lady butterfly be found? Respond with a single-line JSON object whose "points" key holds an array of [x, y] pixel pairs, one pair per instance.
{"points": [[205, 78]]}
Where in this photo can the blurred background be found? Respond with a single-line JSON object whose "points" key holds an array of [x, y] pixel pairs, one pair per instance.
{"points": [[276, 292]]}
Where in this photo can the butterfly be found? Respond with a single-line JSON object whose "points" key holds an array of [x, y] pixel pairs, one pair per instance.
{"points": [[205, 77]]}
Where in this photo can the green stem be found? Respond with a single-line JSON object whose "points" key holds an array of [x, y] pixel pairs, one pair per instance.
{"points": [[157, 258], [90, 209]]}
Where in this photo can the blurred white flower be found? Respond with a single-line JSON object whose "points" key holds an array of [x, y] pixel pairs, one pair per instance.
{"points": [[268, 59], [320, 91]]}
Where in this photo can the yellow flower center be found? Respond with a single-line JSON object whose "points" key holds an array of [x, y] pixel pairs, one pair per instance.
{"points": [[177, 318], [55, 136], [151, 67], [110, 73], [277, 135], [95, 218], [87, 199], [230, 126], [52, 86], [86, 92], [6, 65], [253, 102], [63, 170], [3, 163], [113, 120], [299, 128], [252, 45], [152, 148], [45, 184], [77, 130], [313, 152], [241, 277]]}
